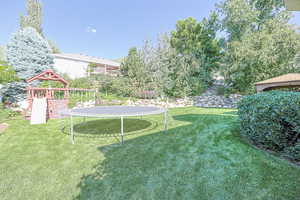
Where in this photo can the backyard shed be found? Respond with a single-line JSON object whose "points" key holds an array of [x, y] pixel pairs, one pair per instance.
{"points": [[292, 5], [291, 80]]}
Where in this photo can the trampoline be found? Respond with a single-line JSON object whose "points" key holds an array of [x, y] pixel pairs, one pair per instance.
{"points": [[114, 112]]}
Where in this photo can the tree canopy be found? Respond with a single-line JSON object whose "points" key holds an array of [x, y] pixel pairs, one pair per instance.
{"points": [[260, 43], [29, 53], [198, 40], [7, 73], [34, 17], [2, 53]]}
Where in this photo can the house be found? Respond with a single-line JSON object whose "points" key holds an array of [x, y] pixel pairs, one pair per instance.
{"points": [[77, 65], [293, 5]]}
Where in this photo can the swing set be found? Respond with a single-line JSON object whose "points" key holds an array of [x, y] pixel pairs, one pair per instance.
{"points": [[57, 99]]}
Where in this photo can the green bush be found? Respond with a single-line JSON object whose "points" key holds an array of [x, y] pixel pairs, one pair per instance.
{"points": [[272, 120], [146, 94], [119, 86], [84, 82], [6, 114]]}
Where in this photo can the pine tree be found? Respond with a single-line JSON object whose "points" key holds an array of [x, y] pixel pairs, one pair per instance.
{"points": [[2, 53], [29, 53]]}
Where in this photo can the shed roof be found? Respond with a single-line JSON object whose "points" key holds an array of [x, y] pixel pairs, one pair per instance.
{"points": [[88, 59], [291, 77], [293, 5]]}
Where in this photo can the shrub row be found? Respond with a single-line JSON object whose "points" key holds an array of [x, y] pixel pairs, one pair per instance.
{"points": [[272, 120]]}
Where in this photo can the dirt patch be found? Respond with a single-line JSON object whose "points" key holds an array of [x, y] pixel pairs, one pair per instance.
{"points": [[3, 127]]}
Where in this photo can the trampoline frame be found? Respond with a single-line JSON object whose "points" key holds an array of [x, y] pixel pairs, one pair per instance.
{"points": [[73, 114]]}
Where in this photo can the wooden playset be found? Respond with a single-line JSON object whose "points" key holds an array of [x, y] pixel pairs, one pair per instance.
{"points": [[56, 98]]}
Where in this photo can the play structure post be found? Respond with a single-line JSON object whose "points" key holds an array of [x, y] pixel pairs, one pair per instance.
{"points": [[122, 130], [166, 120], [72, 129], [166, 115], [95, 98]]}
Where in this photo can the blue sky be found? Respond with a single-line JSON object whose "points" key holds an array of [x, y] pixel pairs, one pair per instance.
{"points": [[106, 28]]}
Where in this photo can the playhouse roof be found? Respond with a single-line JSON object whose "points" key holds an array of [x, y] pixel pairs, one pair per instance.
{"points": [[49, 75]]}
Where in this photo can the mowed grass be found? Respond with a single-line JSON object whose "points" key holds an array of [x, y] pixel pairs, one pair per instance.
{"points": [[201, 157]]}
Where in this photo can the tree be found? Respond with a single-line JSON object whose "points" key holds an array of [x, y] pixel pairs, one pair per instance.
{"points": [[54, 47], [162, 69], [240, 17], [7, 74], [260, 44], [169, 71], [34, 17], [29, 53], [133, 67], [2, 53], [261, 55], [268, 9], [91, 68], [237, 18], [197, 39], [297, 61], [196, 42]]}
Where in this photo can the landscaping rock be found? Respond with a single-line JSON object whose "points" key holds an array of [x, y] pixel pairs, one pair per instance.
{"points": [[173, 103], [210, 99]]}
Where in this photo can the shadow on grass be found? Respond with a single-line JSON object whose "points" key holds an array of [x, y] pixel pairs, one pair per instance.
{"points": [[135, 170], [110, 127], [203, 157], [107, 127]]}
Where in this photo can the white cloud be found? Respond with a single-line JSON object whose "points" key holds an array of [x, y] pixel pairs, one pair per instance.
{"points": [[91, 30]]}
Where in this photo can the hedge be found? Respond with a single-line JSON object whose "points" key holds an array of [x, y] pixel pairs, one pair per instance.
{"points": [[272, 120]]}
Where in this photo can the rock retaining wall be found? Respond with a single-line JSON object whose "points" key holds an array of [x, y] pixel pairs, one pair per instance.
{"points": [[210, 99]]}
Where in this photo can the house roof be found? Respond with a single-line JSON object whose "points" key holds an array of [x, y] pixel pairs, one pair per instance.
{"points": [[292, 77], [89, 59], [292, 5]]}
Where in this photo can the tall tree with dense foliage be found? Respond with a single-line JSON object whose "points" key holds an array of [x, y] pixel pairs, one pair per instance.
{"points": [[243, 16], [260, 42], [170, 70], [162, 69], [197, 39], [133, 67], [54, 47], [7, 73], [268, 9], [197, 43], [297, 61], [2, 53], [29, 54], [261, 55], [34, 17]]}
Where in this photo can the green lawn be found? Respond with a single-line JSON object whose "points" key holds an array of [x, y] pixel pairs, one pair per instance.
{"points": [[201, 157]]}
